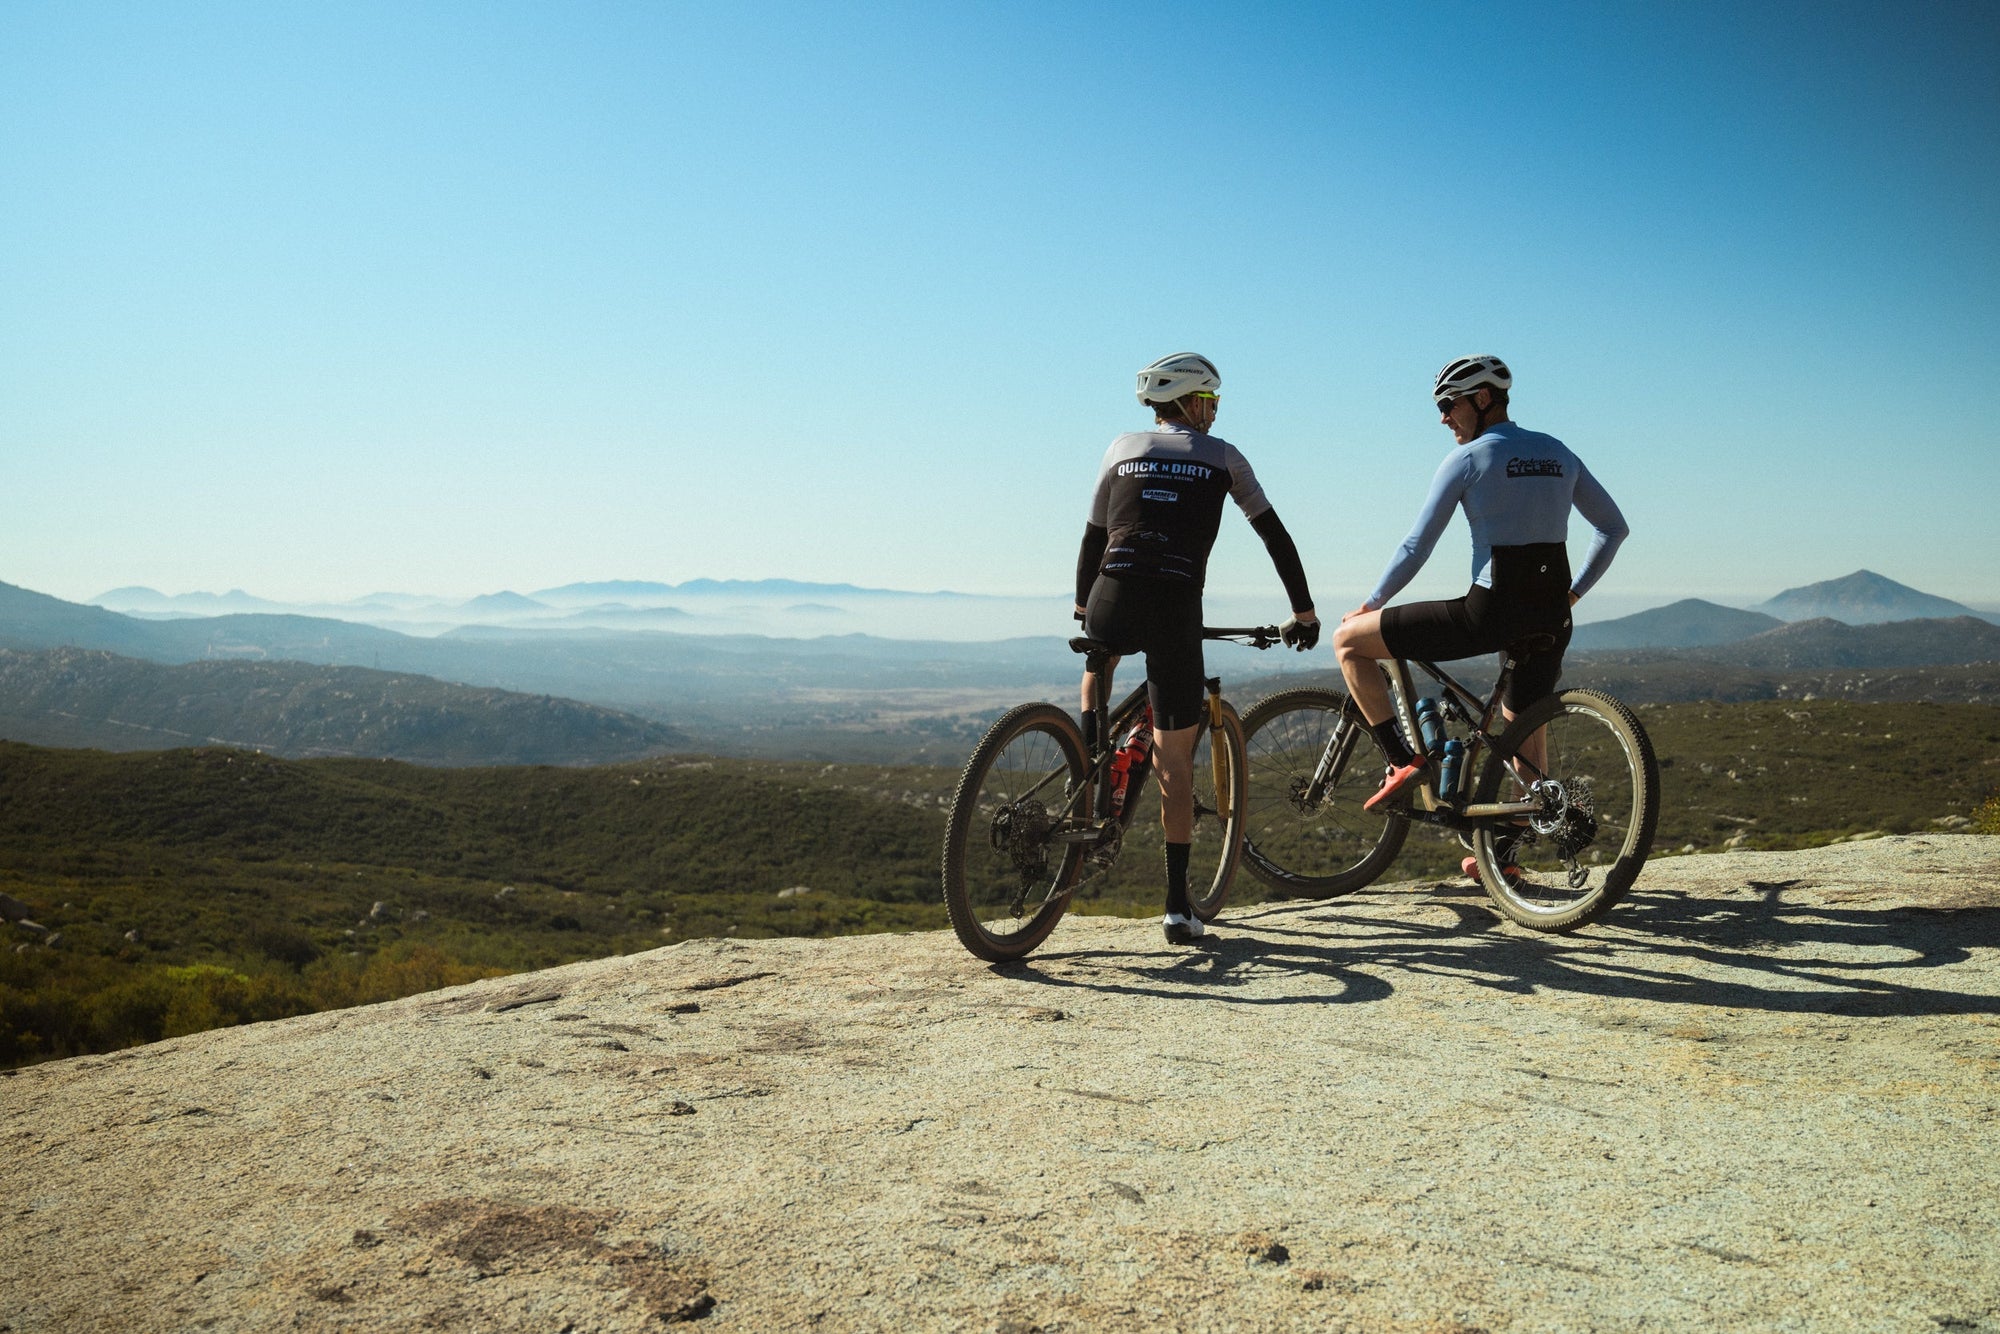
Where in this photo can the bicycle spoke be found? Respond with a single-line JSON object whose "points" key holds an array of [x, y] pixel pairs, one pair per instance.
{"points": [[1305, 829]]}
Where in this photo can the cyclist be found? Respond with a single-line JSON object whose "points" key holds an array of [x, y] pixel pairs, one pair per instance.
{"points": [[1153, 519], [1517, 488]]}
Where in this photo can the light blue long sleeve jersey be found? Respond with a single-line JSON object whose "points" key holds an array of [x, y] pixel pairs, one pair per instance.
{"points": [[1517, 487]]}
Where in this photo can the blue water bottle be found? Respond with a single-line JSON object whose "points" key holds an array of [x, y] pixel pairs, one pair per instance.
{"points": [[1430, 727], [1454, 754]]}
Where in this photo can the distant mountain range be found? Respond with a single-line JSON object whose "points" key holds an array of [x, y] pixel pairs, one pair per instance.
{"points": [[773, 607], [762, 693], [88, 698], [1861, 598], [728, 693]]}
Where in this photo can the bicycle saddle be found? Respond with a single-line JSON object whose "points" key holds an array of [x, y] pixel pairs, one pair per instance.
{"points": [[1526, 644]]}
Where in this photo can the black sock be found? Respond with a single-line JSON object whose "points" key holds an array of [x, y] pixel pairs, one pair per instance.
{"points": [[1393, 745], [1177, 889]]}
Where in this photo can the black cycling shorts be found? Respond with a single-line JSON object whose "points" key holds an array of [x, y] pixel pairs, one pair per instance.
{"points": [[1163, 621], [1530, 595]]}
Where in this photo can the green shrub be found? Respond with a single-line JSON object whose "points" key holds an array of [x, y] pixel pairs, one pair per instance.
{"points": [[1987, 820], [173, 1001]]}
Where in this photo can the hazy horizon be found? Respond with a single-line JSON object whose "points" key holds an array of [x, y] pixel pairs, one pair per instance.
{"points": [[743, 609]]}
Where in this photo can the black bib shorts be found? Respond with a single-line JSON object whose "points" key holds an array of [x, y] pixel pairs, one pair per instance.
{"points": [[1163, 621], [1530, 595]]}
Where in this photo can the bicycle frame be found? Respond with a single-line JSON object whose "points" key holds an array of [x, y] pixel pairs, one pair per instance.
{"points": [[1077, 828], [1026, 826], [1451, 810]]}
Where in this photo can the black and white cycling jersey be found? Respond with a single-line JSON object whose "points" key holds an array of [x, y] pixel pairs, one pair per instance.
{"points": [[1159, 499]]}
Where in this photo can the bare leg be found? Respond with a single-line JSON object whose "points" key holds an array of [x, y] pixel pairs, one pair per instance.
{"points": [[1358, 646], [1173, 757], [1088, 691]]}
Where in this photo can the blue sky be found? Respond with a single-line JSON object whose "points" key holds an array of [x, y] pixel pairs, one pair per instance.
{"points": [[323, 299]]}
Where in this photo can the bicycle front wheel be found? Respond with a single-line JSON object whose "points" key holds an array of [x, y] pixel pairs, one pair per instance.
{"points": [[1570, 863], [1219, 801], [1312, 763], [1007, 876]]}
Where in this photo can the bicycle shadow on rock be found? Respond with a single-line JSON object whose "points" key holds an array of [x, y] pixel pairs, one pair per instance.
{"points": [[1750, 949]]}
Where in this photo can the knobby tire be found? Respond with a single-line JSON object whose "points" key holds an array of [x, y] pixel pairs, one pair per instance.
{"points": [[1006, 884], [1600, 753]]}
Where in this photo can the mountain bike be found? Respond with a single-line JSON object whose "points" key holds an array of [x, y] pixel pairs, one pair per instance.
{"points": [[1037, 814], [1556, 845]]}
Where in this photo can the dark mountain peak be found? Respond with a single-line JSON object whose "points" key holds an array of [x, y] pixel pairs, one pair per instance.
{"points": [[1861, 598], [1689, 623]]}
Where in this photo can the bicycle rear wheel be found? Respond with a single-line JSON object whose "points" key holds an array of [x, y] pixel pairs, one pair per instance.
{"points": [[1579, 855], [1307, 840], [1006, 878]]}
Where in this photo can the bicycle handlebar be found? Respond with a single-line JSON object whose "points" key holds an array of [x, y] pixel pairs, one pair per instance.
{"points": [[1256, 636]]}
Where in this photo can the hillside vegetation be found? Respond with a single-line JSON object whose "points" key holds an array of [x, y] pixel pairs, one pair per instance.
{"points": [[81, 697], [171, 892]]}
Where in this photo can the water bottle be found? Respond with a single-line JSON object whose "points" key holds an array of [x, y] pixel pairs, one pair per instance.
{"points": [[1128, 765], [1430, 727], [1454, 754]]}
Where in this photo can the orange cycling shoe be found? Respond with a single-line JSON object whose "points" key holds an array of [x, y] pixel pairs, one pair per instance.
{"points": [[1399, 777]]}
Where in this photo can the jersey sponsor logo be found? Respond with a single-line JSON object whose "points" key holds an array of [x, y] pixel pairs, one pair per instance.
{"points": [[1160, 495], [1534, 467], [1200, 472]]}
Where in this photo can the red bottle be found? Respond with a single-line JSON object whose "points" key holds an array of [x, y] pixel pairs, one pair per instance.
{"points": [[1128, 764]]}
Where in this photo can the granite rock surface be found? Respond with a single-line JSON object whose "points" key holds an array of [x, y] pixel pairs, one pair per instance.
{"points": [[1764, 1094]]}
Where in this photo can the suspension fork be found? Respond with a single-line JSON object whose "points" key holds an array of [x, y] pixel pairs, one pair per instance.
{"points": [[1348, 727], [1226, 795], [1334, 756]]}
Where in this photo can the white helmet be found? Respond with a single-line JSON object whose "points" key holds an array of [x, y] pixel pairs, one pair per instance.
{"points": [[1175, 377], [1466, 374]]}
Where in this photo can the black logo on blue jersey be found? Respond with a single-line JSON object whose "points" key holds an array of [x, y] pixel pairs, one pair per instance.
{"points": [[1534, 467]]}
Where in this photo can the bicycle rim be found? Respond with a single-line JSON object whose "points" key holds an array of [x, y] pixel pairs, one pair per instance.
{"points": [[1219, 802], [1299, 842], [1006, 879], [1574, 862]]}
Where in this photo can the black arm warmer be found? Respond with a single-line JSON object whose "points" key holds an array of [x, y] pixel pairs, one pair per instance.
{"points": [[1095, 539], [1285, 556]]}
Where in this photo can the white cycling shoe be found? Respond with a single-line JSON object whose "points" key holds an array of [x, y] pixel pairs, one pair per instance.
{"points": [[1182, 928]]}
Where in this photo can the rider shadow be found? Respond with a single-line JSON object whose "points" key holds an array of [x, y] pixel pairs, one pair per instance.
{"points": [[1754, 949]]}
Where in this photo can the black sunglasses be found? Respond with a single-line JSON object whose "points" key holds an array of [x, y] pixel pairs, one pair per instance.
{"points": [[1445, 405]]}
